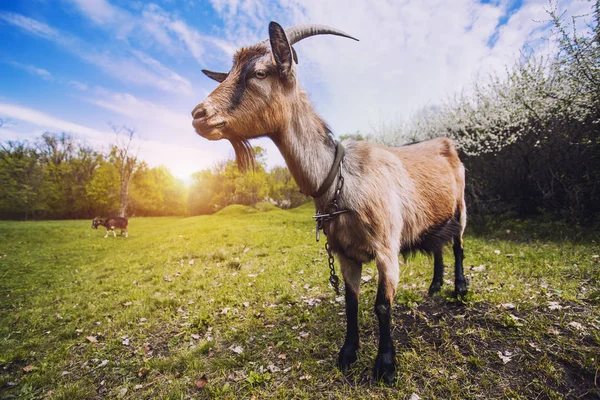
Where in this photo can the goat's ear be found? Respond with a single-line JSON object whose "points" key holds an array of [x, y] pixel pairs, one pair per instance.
{"points": [[282, 51], [217, 76]]}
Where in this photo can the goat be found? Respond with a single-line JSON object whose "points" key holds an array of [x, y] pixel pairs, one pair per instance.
{"points": [[398, 199], [111, 223]]}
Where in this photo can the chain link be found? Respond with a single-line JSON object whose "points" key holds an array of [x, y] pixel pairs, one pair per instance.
{"points": [[333, 278], [332, 211]]}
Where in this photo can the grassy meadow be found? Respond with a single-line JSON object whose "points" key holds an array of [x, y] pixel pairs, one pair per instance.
{"points": [[236, 305]]}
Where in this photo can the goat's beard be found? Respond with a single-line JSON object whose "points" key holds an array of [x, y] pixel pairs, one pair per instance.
{"points": [[244, 154]]}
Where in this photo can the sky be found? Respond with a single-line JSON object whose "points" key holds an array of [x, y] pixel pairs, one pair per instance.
{"points": [[80, 66]]}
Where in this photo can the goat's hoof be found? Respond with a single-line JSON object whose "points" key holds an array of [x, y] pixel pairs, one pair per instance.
{"points": [[460, 288], [434, 288], [346, 358], [385, 368]]}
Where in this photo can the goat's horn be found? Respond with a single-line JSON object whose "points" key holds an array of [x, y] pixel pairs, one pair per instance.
{"points": [[299, 32]]}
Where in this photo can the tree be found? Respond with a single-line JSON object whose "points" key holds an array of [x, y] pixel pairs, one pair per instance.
{"points": [[124, 157]]}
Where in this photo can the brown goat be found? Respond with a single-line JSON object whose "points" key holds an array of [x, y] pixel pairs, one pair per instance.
{"points": [[110, 224], [399, 199]]}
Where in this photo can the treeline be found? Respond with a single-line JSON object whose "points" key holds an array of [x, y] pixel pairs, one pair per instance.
{"points": [[224, 184], [530, 140], [57, 177]]}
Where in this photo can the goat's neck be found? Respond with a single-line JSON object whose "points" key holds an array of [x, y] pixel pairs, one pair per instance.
{"points": [[307, 147]]}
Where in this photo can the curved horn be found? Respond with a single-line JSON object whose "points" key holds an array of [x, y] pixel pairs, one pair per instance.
{"points": [[299, 32]]}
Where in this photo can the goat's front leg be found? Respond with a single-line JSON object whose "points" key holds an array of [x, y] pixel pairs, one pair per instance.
{"points": [[385, 363], [351, 271]]}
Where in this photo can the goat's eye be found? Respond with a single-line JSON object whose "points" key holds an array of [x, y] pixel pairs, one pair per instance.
{"points": [[260, 74]]}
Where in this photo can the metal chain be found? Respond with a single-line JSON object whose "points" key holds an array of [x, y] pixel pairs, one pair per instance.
{"points": [[334, 211], [333, 278]]}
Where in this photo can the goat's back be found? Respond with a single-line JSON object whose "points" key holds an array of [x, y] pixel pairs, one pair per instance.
{"points": [[117, 222]]}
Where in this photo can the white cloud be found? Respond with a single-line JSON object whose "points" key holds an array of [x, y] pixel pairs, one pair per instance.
{"points": [[137, 68], [33, 70], [170, 33]]}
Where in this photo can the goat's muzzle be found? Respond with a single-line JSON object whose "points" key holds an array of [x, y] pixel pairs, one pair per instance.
{"points": [[208, 125]]}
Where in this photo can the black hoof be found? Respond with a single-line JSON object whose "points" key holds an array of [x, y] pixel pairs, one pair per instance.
{"points": [[385, 368], [460, 288], [434, 288], [346, 358]]}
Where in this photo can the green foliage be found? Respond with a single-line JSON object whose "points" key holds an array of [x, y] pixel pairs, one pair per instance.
{"points": [[59, 178], [225, 185]]}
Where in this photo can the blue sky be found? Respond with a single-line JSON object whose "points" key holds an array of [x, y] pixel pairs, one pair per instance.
{"points": [[78, 65]]}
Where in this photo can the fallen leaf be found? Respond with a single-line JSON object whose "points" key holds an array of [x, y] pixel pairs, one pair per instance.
{"points": [[246, 304], [167, 278], [508, 306], [236, 349], [103, 364], [534, 346], [576, 325], [191, 262], [225, 310], [202, 382], [142, 320], [305, 377], [366, 278], [282, 356], [28, 368], [496, 251], [58, 316], [504, 358], [553, 305], [122, 392], [479, 268], [273, 368], [129, 303], [414, 396], [92, 339], [138, 387], [126, 342]]}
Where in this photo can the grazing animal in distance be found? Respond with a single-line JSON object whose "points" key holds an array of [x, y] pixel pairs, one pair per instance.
{"points": [[112, 223], [394, 200]]}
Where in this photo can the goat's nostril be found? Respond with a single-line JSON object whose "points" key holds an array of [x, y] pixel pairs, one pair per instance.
{"points": [[199, 113]]}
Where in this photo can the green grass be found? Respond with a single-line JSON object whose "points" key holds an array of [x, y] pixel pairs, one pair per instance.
{"points": [[173, 303]]}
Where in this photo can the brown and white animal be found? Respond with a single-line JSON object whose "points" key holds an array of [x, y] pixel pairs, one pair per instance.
{"points": [[399, 199], [110, 224]]}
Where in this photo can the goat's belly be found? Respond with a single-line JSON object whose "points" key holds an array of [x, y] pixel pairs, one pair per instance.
{"points": [[351, 241]]}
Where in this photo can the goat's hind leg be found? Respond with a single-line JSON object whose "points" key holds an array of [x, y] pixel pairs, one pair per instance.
{"points": [[438, 272], [460, 283], [351, 271], [385, 362]]}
